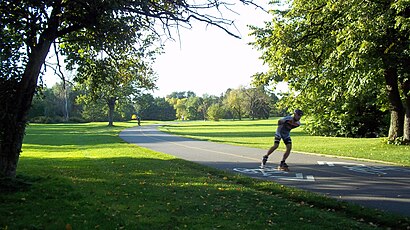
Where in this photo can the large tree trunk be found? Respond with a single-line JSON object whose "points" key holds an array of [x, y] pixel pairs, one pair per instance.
{"points": [[10, 144], [395, 104], [17, 101], [14, 114], [406, 128], [406, 131]]}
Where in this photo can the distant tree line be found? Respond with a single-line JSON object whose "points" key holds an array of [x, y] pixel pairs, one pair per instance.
{"points": [[253, 103], [67, 104]]}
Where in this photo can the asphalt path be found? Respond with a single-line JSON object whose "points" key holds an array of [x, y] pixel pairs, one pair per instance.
{"points": [[376, 185]]}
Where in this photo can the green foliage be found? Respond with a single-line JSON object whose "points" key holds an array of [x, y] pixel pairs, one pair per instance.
{"points": [[333, 55], [180, 95], [52, 102], [95, 111], [116, 78], [190, 107], [258, 103], [193, 108], [234, 102], [215, 112], [47, 120], [254, 102], [150, 108], [44, 104], [55, 120], [355, 118], [181, 110]]}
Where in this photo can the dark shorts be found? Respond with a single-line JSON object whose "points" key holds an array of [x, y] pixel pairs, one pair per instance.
{"points": [[286, 140]]}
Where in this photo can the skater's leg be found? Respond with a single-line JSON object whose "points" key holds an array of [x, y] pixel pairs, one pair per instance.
{"points": [[275, 145], [287, 152], [272, 149], [283, 165]]}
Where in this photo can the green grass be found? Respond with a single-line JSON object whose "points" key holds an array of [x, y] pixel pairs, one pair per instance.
{"points": [[83, 176], [259, 134]]}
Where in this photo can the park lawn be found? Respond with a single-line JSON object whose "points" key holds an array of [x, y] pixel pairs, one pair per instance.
{"points": [[83, 176], [260, 133]]}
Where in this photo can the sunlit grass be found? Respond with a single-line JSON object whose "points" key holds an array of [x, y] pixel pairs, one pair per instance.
{"points": [[85, 177], [260, 133]]}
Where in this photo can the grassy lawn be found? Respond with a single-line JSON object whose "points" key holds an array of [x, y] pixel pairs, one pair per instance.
{"points": [[259, 134], [83, 176]]}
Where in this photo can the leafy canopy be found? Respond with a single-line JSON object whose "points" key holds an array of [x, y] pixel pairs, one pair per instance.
{"points": [[333, 55]]}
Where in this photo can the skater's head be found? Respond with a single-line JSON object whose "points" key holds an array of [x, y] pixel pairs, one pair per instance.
{"points": [[298, 114]]}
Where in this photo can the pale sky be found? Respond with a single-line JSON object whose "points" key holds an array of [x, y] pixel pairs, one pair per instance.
{"points": [[207, 60]]}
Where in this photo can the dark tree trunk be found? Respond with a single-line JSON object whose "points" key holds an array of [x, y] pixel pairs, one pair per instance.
{"points": [[14, 114], [111, 107], [406, 128], [395, 104], [16, 102], [10, 147]]}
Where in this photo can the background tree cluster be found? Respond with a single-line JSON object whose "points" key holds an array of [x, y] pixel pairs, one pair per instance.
{"points": [[254, 103], [346, 63]]}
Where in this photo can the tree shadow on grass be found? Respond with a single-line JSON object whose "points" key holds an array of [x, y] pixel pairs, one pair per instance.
{"points": [[150, 193], [18, 184], [126, 192], [70, 139], [71, 134]]}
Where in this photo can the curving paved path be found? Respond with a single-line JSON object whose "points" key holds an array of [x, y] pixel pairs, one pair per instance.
{"points": [[376, 185]]}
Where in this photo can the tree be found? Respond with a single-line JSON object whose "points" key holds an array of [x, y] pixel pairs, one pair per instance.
{"points": [[334, 54], [165, 112], [234, 102], [257, 102], [56, 104], [63, 92], [181, 110], [275, 110], [192, 106], [207, 102], [215, 112], [186, 104], [123, 73], [92, 111], [29, 28], [44, 104], [150, 108], [183, 94]]}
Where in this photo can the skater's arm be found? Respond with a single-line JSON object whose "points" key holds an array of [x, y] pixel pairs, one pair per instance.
{"points": [[283, 120]]}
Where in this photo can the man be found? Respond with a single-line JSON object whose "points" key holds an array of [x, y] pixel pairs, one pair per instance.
{"points": [[283, 132]]}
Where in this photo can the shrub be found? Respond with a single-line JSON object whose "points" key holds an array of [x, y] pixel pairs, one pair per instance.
{"points": [[76, 120]]}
